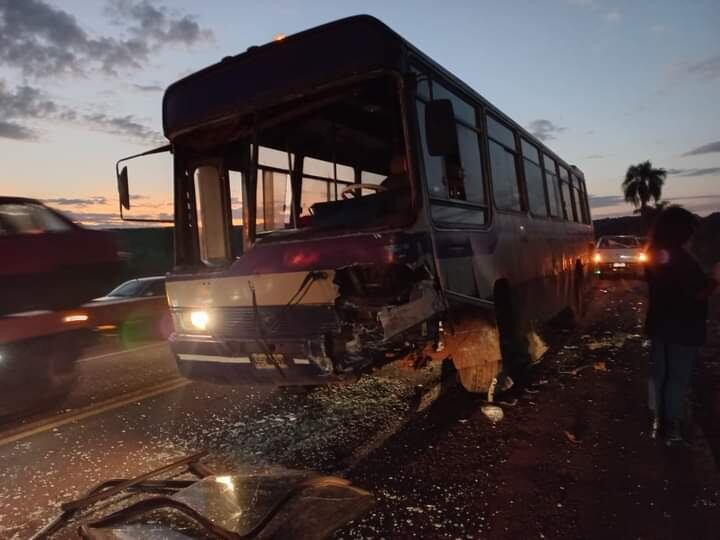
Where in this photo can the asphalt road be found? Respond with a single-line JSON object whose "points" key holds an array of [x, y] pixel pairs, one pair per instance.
{"points": [[130, 412], [443, 472]]}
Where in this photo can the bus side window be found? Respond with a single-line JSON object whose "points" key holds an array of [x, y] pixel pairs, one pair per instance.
{"points": [[463, 172], [567, 193], [503, 160], [534, 179], [551, 179], [581, 198]]}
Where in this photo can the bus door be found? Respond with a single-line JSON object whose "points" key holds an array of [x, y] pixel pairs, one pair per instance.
{"points": [[459, 216], [457, 198]]}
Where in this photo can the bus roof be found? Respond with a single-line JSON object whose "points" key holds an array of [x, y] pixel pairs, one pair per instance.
{"points": [[288, 68]]}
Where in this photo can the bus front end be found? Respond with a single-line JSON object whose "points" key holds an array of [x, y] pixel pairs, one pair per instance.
{"points": [[298, 254]]}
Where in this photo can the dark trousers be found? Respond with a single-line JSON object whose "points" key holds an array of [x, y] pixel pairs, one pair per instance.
{"points": [[671, 368]]}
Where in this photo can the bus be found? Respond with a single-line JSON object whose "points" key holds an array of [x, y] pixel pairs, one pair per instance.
{"points": [[341, 201]]}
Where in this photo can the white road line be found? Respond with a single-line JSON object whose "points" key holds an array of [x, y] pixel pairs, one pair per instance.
{"points": [[118, 353]]}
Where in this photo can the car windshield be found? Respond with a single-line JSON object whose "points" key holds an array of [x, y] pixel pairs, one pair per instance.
{"points": [[128, 289], [30, 219], [619, 242]]}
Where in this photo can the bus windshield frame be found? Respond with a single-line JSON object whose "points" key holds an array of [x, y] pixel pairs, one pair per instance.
{"points": [[336, 161]]}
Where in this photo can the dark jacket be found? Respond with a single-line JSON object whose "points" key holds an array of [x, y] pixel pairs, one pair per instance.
{"points": [[678, 298]]}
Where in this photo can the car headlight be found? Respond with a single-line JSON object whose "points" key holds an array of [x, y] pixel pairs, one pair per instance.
{"points": [[597, 258], [195, 320], [642, 257]]}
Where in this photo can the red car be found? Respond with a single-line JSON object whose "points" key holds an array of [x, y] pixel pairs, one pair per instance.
{"points": [[49, 262]]}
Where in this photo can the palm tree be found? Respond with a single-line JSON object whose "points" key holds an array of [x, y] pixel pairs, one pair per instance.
{"points": [[642, 183]]}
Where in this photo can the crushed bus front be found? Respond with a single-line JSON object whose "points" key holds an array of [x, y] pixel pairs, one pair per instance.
{"points": [[317, 312]]}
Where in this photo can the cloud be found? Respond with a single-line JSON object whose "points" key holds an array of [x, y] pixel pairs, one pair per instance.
{"points": [[707, 69], [23, 103], [708, 148], [613, 15], [658, 28], [580, 2], [127, 126], [41, 40], [26, 103], [700, 204], [544, 129], [605, 201], [158, 23], [89, 201], [694, 172], [594, 156], [11, 130], [148, 87]]}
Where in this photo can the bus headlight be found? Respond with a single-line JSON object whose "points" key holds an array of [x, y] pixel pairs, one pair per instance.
{"points": [[199, 319], [192, 321]]}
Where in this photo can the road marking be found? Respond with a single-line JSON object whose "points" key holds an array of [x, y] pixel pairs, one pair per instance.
{"points": [[47, 424], [118, 353]]}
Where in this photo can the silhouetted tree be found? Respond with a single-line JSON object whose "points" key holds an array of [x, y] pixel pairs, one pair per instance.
{"points": [[642, 183]]}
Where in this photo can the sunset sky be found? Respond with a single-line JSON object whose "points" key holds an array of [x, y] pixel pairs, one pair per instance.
{"points": [[604, 83]]}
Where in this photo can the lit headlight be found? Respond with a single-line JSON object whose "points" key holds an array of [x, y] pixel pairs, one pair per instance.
{"points": [[597, 258], [199, 319], [642, 257], [196, 320]]}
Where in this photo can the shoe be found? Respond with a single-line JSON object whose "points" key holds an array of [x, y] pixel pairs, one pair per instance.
{"points": [[674, 437], [655, 427]]}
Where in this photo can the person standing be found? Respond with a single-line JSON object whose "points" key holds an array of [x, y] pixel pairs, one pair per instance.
{"points": [[678, 292]]}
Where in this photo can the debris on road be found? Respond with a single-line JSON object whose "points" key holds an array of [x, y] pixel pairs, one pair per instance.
{"points": [[493, 413]]}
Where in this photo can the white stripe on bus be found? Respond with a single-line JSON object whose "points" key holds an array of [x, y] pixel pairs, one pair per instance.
{"points": [[211, 358]]}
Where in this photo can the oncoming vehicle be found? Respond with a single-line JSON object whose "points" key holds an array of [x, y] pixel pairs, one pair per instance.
{"points": [[135, 308], [38, 351], [388, 212], [49, 262], [620, 255]]}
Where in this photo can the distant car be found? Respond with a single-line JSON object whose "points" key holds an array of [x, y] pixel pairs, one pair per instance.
{"points": [[49, 262], [620, 255], [135, 308]]}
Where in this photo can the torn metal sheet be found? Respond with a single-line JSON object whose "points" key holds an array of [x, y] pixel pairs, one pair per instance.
{"points": [[396, 319]]}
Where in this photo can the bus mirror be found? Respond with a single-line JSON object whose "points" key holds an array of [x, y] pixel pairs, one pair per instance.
{"points": [[123, 189], [440, 132]]}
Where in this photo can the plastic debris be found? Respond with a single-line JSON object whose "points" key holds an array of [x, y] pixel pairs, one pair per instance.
{"points": [[494, 413], [571, 437]]}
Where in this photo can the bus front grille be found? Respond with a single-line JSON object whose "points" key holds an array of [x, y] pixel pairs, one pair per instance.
{"points": [[276, 321]]}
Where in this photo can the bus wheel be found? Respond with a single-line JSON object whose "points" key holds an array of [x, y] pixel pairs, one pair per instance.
{"points": [[475, 349], [579, 291], [506, 322]]}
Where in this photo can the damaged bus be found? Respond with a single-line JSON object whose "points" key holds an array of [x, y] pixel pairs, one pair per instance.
{"points": [[342, 201]]}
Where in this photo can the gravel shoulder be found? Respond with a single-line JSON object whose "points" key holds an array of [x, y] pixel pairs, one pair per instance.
{"points": [[572, 459]]}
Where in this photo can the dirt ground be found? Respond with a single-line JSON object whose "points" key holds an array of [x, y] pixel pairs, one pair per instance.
{"points": [[571, 459]]}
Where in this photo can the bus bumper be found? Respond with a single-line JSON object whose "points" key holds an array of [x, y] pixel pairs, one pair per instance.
{"points": [[239, 362]]}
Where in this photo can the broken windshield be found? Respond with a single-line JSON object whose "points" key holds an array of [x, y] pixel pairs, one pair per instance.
{"points": [[342, 163]]}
